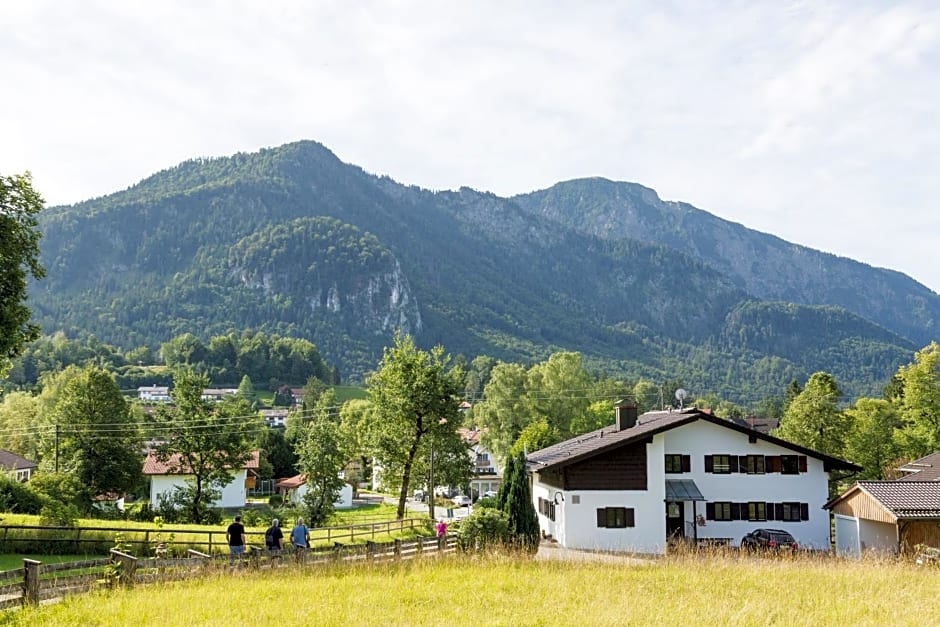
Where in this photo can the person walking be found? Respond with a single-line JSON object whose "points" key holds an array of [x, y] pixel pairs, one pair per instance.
{"points": [[300, 539], [235, 534], [441, 529], [273, 538]]}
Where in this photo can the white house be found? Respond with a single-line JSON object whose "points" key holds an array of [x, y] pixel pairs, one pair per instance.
{"points": [[17, 467], [154, 393], [294, 488], [678, 474], [486, 472], [275, 418], [218, 394], [166, 476]]}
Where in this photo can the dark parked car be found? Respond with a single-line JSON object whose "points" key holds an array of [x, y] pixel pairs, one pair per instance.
{"points": [[769, 539]]}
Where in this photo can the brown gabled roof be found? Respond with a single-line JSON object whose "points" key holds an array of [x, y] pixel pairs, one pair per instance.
{"points": [[291, 482], [12, 461], [904, 499], [923, 469], [174, 465], [649, 424]]}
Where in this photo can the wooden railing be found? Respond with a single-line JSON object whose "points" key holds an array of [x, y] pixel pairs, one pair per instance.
{"points": [[36, 538], [36, 582]]}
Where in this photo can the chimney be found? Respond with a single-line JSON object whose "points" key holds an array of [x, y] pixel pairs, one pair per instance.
{"points": [[626, 415]]}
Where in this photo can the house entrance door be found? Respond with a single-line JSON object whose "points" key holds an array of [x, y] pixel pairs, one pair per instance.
{"points": [[675, 519]]}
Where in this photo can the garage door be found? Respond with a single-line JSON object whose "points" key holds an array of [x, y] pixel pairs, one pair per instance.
{"points": [[847, 544]]}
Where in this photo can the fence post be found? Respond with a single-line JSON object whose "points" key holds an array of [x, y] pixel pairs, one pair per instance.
{"points": [[370, 550], [31, 581], [397, 548], [146, 543], [128, 566]]}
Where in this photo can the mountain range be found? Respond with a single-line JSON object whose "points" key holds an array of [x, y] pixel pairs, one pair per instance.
{"points": [[291, 240]]}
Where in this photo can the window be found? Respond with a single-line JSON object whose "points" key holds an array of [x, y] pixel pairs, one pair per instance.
{"points": [[722, 511], [757, 511], [792, 512], [721, 464], [753, 464], [615, 517], [547, 508], [790, 464], [678, 463]]}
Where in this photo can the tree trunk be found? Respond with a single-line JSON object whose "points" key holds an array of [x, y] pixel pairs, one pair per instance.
{"points": [[406, 477], [197, 496]]}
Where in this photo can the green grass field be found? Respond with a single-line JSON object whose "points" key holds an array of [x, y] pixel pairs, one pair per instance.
{"points": [[509, 591]]}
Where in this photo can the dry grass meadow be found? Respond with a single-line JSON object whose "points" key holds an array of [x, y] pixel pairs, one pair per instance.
{"points": [[502, 590]]}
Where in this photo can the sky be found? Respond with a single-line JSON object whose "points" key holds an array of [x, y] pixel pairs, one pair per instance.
{"points": [[813, 121]]}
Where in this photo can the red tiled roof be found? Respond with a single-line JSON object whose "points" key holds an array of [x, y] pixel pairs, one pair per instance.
{"points": [[173, 466]]}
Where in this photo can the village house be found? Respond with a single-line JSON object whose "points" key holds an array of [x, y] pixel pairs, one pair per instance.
{"points": [[294, 488], [678, 475], [486, 475], [17, 467], [153, 393], [165, 477], [275, 418]]}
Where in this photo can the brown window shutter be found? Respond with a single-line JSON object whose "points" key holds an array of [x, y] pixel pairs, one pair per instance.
{"points": [[736, 511], [686, 463], [804, 511], [708, 463], [771, 511], [774, 463], [631, 518], [709, 511], [778, 511], [732, 463], [802, 463], [601, 516]]}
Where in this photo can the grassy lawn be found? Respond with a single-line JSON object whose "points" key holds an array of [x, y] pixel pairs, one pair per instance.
{"points": [[511, 591], [9, 562]]}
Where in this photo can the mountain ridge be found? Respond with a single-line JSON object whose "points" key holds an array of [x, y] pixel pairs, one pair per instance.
{"points": [[515, 278]]}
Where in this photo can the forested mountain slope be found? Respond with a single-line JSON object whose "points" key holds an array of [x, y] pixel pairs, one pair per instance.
{"points": [[765, 266], [290, 240]]}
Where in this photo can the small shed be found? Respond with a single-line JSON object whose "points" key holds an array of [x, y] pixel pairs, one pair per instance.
{"points": [[887, 517]]}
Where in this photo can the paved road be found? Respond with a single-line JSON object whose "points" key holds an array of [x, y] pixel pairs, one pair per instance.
{"points": [[443, 508]]}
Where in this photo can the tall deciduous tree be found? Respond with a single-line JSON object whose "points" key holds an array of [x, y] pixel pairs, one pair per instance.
{"points": [[99, 440], [414, 396], [870, 441], [919, 403], [20, 205], [503, 415], [19, 419], [321, 458], [209, 441], [813, 419]]}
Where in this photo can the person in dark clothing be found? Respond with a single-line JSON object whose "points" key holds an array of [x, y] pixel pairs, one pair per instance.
{"points": [[235, 534], [273, 538]]}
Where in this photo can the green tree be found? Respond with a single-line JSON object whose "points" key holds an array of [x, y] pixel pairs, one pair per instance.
{"points": [[321, 457], [919, 403], [413, 396], [19, 424], [647, 396], [813, 419], [20, 205], [99, 440], [246, 389], [536, 436], [280, 454], [560, 389], [503, 414], [870, 441], [204, 439], [517, 504]]}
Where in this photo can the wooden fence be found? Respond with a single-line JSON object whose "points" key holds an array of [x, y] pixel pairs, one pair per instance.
{"points": [[36, 582], [40, 539]]}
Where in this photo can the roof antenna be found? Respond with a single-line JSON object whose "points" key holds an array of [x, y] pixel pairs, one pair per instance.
{"points": [[681, 395]]}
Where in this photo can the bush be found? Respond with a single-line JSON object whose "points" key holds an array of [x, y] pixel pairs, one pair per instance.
{"points": [[275, 500], [19, 498], [57, 513], [255, 517], [62, 488], [486, 502], [484, 529]]}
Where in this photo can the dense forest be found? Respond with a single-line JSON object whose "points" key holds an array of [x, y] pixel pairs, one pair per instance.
{"points": [[292, 242]]}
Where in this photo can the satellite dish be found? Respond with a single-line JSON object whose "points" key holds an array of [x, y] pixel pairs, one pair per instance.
{"points": [[681, 395]]}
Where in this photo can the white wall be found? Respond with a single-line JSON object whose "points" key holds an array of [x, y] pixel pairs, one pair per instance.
{"points": [[702, 438], [233, 495], [345, 500], [877, 537], [847, 541]]}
